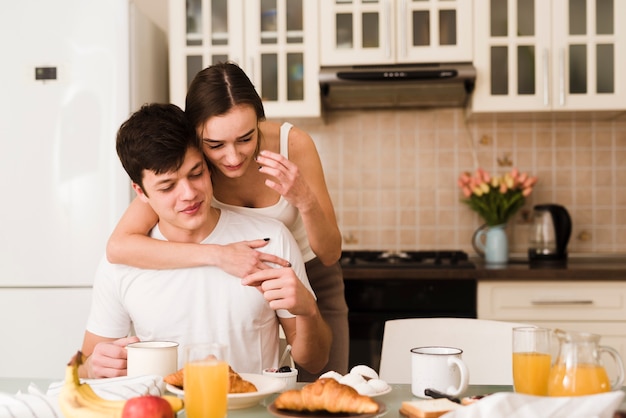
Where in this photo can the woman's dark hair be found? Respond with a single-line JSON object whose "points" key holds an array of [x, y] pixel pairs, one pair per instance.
{"points": [[215, 90]]}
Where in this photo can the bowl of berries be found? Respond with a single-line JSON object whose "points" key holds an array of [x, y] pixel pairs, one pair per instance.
{"points": [[288, 374]]}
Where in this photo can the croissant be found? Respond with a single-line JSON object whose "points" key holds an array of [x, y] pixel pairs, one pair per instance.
{"points": [[237, 383], [326, 394]]}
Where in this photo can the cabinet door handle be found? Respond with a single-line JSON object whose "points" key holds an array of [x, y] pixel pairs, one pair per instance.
{"points": [[389, 34], [546, 75], [403, 33], [562, 77], [561, 302]]}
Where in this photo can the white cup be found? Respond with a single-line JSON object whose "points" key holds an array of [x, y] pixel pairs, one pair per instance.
{"points": [[439, 368], [152, 357]]}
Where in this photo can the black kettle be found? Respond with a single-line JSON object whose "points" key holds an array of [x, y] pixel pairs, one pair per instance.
{"points": [[550, 231]]}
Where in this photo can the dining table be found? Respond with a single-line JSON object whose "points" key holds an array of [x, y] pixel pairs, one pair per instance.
{"points": [[392, 400]]}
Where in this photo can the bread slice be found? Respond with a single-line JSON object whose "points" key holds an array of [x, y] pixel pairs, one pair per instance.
{"points": [[428, 408]]}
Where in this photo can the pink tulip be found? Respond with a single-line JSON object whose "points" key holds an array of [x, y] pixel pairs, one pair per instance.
{"points": [[467, 192], [530, 181], [514, 172], [522, 178], [503, 188], [527, 191]]}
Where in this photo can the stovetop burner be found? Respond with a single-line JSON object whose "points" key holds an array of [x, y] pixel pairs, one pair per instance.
{"points": [[406, 259]]}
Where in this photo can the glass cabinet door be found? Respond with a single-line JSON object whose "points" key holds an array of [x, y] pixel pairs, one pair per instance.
{"points": [[536, 55], [202, 32], [434, 31], [586, 51], [354, 32], [513, 49], [282, 50]]}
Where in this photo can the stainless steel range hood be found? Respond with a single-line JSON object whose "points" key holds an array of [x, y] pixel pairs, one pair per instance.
{"points": [[402, 85]]}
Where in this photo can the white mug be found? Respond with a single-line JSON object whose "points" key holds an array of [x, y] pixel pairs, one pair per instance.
{"points": [[152, 357], [439, 368]]}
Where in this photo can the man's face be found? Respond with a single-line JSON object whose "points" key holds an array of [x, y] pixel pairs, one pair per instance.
{"points": [[181, 199]]}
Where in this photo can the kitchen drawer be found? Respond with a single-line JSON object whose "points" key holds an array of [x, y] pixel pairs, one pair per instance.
{"points": [[528, 301]]}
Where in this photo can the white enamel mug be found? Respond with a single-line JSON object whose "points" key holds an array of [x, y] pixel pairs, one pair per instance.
{"points": [[152, 357], [439, 368]]}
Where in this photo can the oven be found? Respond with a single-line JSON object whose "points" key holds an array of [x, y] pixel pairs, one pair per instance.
{"points": [[382, 285]]}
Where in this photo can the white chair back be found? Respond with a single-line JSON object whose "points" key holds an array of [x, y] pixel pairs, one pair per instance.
{"points": [[486, 345]]}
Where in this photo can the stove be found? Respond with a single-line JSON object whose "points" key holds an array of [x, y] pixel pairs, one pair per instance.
{"points": [[450, 259], [386, 285]]}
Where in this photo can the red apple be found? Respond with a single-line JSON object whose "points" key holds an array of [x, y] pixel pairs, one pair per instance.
{"points": [[147, 406]]}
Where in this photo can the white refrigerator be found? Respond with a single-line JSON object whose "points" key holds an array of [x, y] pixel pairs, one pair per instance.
{"points": [[71, 73]]}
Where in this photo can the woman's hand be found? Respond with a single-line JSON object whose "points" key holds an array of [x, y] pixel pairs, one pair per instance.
{"points": [[287, 179], [241, 258]]}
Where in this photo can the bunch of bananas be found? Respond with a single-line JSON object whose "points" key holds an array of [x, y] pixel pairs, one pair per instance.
{"points": [[78, 400]]}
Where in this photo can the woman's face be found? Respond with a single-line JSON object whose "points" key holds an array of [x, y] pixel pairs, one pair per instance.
{"points": [[230, 140]]}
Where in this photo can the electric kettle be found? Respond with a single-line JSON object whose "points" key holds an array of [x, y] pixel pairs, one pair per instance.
{"points": [[550, 230]]}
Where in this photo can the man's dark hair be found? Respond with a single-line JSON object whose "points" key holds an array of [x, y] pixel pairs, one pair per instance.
{"points": [[154, 138]]}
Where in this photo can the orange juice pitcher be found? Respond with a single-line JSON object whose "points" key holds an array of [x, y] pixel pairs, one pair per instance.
{"points": [[578, 369]]}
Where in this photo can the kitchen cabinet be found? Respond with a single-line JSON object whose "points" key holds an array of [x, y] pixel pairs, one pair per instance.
{"points": [[359, 32], [556, 55], [274, 41], [592, 306]]}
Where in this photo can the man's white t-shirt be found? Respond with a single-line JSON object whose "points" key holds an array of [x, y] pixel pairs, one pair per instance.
{"points": [[200, 304]]}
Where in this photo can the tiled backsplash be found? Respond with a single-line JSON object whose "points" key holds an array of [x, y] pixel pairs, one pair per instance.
{"points": [[393, 175]]}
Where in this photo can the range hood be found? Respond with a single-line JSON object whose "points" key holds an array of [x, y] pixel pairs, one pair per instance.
{"points": [[402, 85]]}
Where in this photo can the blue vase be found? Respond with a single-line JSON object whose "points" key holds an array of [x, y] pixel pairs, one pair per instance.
{"points": [[491, 243]]}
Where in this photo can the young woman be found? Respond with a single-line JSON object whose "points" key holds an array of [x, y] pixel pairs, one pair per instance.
{"points": [[258, 167]]}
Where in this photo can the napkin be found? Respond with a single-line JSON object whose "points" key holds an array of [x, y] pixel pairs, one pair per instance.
{"points": [[36, 403], [517, 405]]}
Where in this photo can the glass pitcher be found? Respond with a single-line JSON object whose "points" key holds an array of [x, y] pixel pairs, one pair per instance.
{"points": [[578, 369]]}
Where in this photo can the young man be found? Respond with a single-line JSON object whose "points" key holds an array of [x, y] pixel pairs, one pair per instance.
{"points": [[160, 153]]}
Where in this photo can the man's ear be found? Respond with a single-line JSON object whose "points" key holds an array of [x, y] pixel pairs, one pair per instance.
{"points": [[140, 194]]}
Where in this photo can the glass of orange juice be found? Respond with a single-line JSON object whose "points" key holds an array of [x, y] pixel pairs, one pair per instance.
{"points": [[531, 360], [205, 380]]}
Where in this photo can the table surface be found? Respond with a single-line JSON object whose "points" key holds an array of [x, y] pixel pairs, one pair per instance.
{"points": [[392, 400]]}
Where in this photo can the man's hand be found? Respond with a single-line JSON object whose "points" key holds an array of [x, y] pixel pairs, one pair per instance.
{"points": [[283, 290], [108, 358], [242, 258]]}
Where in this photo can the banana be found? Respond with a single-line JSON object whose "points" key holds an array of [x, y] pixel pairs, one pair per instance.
{"points": [[78, 400], [175, 402]]}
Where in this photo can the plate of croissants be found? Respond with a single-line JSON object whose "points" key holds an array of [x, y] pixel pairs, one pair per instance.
{"points": [[245, 389], [325, 398]]}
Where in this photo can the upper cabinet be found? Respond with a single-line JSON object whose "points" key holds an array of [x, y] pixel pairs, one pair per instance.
{"points": [[274, 41], [361, 32], [554, 55]]}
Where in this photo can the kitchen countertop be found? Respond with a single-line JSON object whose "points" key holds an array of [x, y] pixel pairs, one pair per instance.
{"points": [[578, 267]]}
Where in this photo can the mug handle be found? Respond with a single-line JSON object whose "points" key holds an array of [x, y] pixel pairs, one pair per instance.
{"points": [[452, 391], [619, 380]]}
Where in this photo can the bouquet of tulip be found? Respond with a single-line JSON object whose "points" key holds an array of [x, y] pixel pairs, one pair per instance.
{"points": [[496, 198]]}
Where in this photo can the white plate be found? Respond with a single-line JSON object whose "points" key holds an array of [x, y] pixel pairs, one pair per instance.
{"points": [[384, 392], [265, 386]]}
